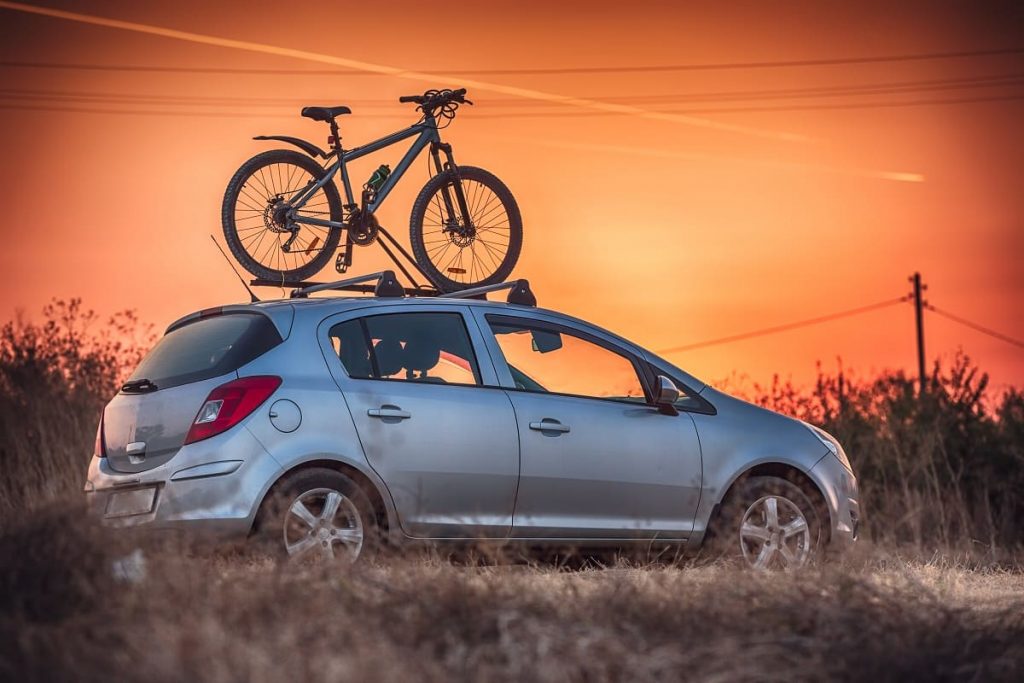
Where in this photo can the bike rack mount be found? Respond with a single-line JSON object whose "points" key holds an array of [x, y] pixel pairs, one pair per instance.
{"points": [[357, 284]]}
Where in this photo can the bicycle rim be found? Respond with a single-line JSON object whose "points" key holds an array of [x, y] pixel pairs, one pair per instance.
{"points": [[458, 254], [260, 230]]}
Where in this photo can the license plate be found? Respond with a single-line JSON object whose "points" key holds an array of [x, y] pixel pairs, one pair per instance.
{"points": [[134, 502]]}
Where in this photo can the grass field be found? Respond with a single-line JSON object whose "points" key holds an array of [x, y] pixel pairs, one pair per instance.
{"points": [[65, 615]]}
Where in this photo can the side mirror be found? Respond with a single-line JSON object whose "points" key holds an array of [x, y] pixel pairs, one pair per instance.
{"points": [[666, 393]]}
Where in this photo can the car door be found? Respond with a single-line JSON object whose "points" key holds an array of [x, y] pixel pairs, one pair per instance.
{"points": [[597, 461], [445, 445]]}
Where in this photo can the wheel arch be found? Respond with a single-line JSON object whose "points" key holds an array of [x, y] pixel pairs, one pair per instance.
{"points": [[383, 512], [789, 472]]}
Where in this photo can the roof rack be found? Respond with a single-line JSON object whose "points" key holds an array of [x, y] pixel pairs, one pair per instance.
{"points": [[387, 286], [520, 292]]}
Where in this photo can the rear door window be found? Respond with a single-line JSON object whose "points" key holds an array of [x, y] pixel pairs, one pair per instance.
{"points": [[415, 347], [206, 348]]}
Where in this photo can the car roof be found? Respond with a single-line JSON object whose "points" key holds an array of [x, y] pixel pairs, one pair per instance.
{"points": [[282, 313]]}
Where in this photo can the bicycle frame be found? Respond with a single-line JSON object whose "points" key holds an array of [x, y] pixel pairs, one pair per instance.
{"points": [[428, 135]]}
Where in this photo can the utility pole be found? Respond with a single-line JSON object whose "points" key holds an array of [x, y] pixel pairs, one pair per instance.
{"points": [[919, 315]]}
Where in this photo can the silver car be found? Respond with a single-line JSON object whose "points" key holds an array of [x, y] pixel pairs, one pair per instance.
{"points": [[333, 426]]}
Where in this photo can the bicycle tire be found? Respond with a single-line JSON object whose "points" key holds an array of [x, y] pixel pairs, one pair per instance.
{"points": [[234, 241], [515, 228]]}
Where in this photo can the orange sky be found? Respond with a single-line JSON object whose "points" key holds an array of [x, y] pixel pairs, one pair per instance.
{"points": [[662, 230]]}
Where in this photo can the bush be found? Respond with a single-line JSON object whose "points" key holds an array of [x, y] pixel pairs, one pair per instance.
{"points": [[55, 378], [943, 469]]}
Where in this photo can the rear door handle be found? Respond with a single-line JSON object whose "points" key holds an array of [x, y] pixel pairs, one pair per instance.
{"points": [[389, 411], [549, 425]]}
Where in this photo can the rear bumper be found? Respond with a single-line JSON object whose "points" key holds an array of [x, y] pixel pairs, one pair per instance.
{"points": [[210, 488], [839, 487]]}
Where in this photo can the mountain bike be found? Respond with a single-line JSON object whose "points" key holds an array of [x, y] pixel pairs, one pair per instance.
{"points": [[283, 216]]}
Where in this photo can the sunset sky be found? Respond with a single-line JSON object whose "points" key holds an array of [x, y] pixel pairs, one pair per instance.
{"points": [[720, 201]]}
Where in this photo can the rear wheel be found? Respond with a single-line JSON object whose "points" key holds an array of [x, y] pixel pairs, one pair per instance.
{"points": [[255, 219], [454, 254], [767, 523], [319, 515]]}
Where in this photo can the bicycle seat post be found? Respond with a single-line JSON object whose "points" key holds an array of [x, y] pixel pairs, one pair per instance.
{"points": [[335, 135]]}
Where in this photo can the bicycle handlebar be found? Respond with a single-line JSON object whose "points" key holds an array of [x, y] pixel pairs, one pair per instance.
{"points": [[434, 98]]}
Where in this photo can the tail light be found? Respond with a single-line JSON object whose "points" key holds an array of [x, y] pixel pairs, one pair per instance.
{"points": [[229, 404], [99, 449]]}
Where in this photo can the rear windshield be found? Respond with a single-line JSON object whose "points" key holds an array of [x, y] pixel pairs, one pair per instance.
{"points": [[208, 347]]}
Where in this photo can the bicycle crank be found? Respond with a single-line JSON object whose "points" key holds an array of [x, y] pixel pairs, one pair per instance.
{"points": [[362, 228]]}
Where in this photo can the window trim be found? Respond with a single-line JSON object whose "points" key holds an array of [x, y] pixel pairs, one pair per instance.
{"points": [[544, 325], [361, 320]]}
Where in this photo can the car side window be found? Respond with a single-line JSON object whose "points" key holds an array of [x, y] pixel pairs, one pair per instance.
{"points": [[554, 360], [415, 347]]}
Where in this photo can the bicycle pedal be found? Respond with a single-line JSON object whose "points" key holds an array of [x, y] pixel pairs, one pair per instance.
{"points": [[340, 264]]}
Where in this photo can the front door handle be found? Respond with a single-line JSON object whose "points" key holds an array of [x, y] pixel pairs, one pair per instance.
{"points": [[389, 412], [549, 425]]}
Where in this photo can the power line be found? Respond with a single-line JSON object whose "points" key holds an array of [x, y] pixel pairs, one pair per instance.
{"points": [[891, 87], [834, 61], [754, 65], [149, 112], [975, 326], [788, 326], [31, 106], [787, 108]]}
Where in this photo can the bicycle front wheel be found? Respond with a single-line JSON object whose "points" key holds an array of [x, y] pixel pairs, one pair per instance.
{"points": [[255, 217], [458, 253]]}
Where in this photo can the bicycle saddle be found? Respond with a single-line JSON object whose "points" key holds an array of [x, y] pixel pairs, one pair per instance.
{"points": [[324, 113]]}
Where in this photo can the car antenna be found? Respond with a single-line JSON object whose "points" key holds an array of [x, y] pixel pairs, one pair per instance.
{"points": [[252, 297]]}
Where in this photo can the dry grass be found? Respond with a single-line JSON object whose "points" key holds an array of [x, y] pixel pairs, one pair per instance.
{"points": [[874, 618]]}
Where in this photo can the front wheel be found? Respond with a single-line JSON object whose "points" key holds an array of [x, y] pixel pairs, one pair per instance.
{"points": [[456, 251], [767, 523]]}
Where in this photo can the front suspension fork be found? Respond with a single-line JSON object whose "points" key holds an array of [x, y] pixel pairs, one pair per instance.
{"points": [[460, 195]]}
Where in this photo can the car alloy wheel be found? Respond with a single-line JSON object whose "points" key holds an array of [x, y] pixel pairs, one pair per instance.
{"points": [[775, 534], [323, 523]]}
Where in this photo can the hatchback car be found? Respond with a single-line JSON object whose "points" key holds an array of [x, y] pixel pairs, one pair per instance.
{"points": [[331, 426]]}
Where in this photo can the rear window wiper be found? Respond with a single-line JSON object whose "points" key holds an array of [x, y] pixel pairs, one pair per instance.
{"points": [[138, 386]]}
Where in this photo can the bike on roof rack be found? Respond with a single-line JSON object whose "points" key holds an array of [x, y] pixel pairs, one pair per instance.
{"points": [[283, 216]]}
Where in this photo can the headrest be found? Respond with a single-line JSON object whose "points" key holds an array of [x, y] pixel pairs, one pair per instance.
{"points": [[389, 354], [422, 353], [356, 359]]}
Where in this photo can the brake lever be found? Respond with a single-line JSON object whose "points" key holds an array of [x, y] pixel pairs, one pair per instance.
{"points": [[469, 102]]}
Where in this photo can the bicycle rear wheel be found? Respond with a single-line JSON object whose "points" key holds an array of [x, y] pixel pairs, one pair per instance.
{"points": [[456, 255], [253, 217]]}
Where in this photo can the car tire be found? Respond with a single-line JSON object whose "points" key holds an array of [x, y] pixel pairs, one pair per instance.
{"points": [[318, 514], [766, 523]]}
